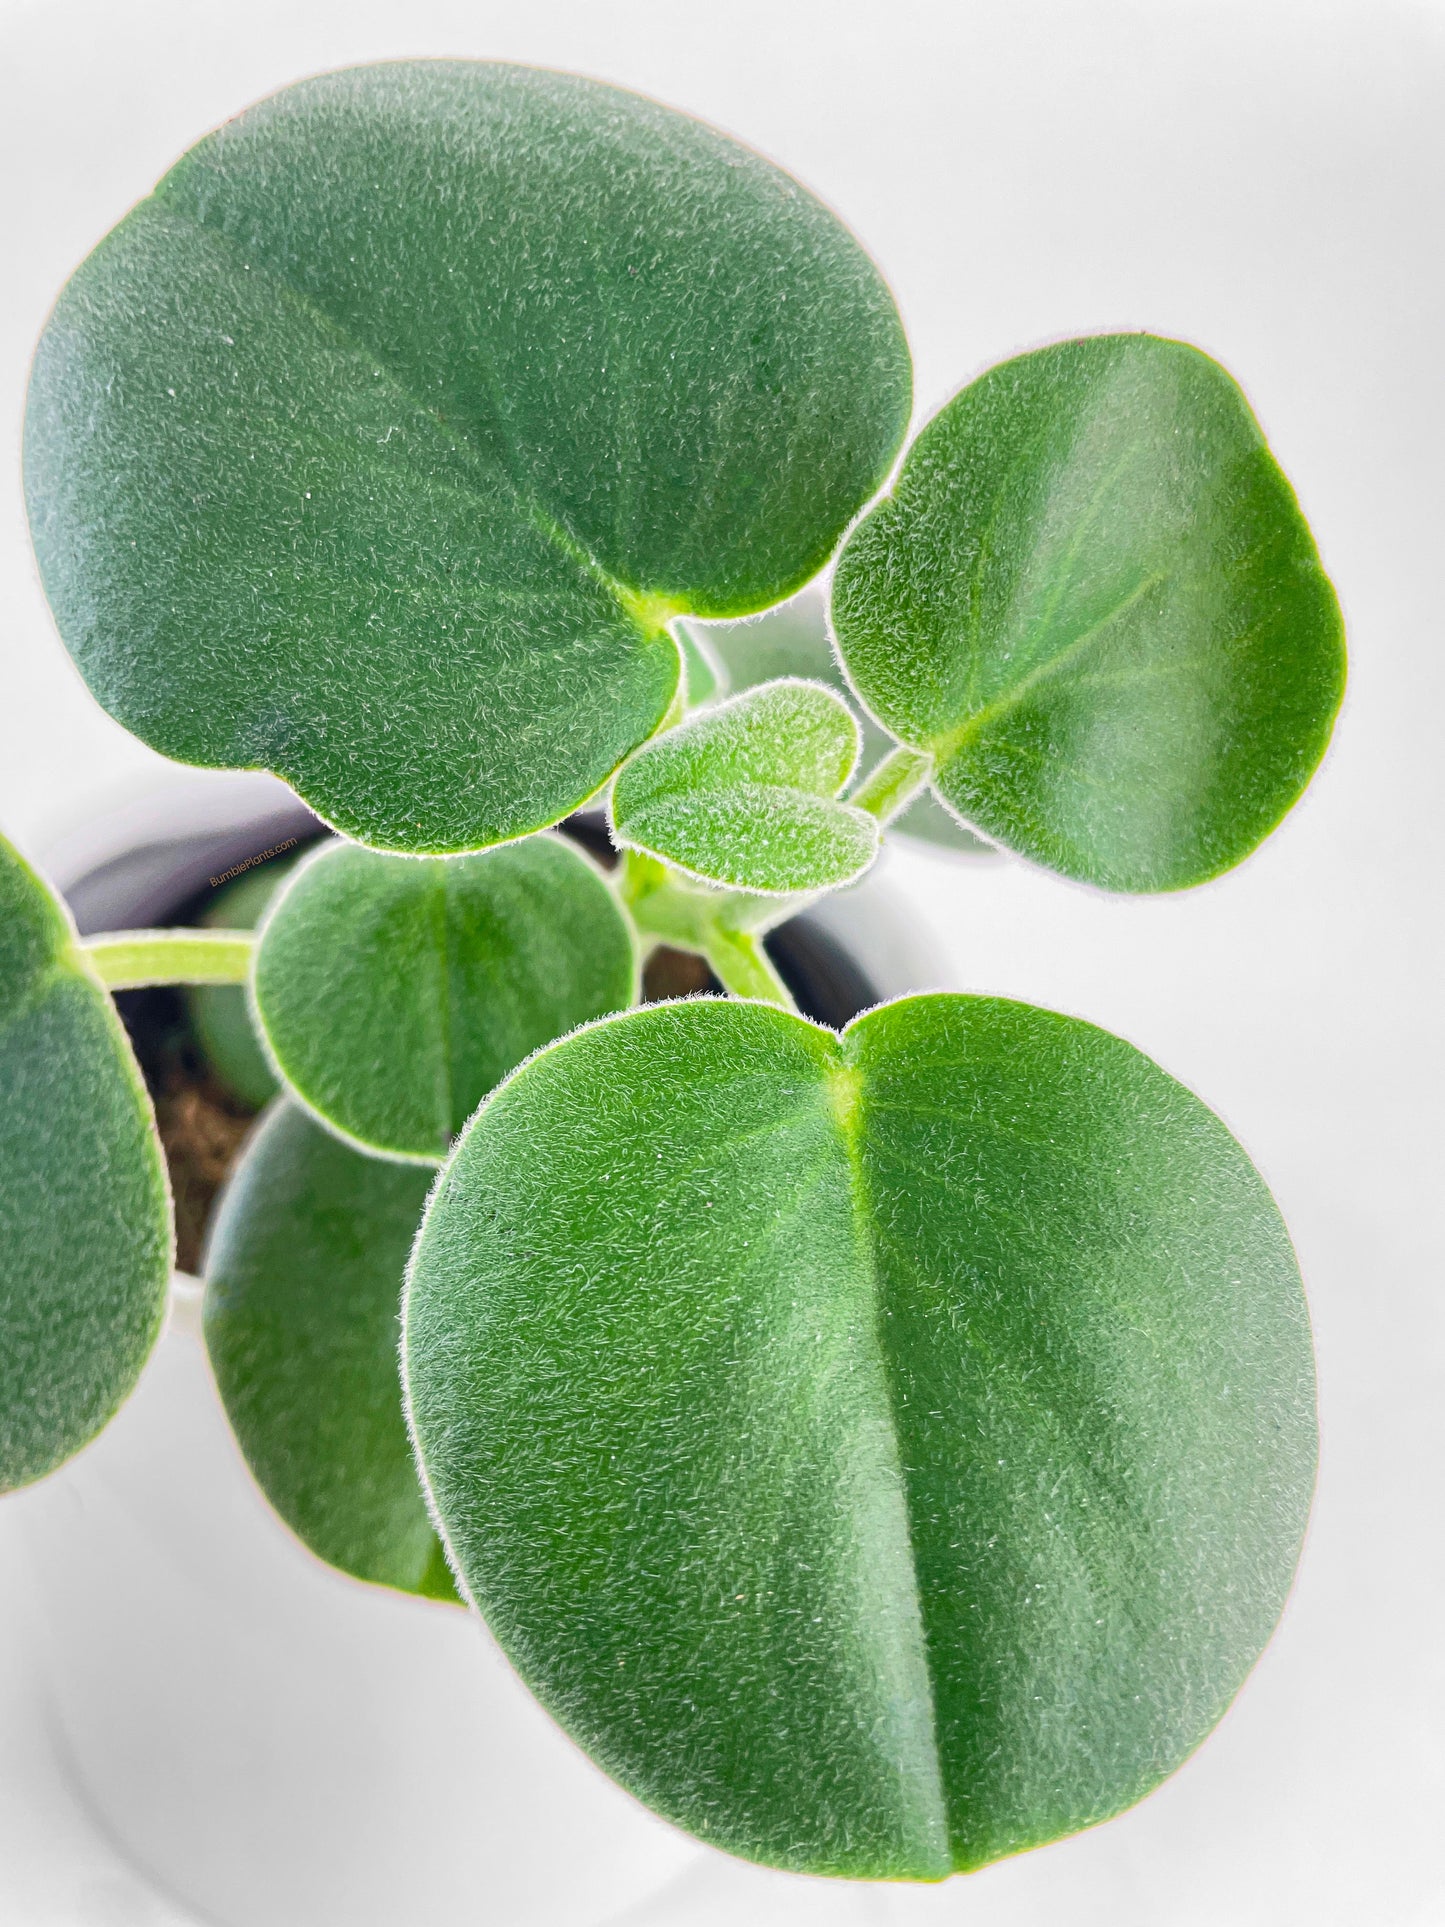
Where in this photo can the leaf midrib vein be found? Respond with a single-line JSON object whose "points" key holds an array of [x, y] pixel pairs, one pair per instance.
{"points": [[529, 505], [847, 1116], [950, 742]]}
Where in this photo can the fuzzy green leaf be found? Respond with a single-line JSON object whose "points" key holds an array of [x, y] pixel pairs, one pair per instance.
{"points": [[1092, 596], [85, 1221], [304, 1269], [224, 1025], [394, 991], [744, 794], [438, 389], [883, 1454]]}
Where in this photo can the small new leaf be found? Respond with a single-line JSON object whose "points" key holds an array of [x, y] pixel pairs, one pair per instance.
{"points": [[1092, 597], [792, 640], [303, 1270], [85, 1220], [394, 992], [882, 1453], [744, 795]]}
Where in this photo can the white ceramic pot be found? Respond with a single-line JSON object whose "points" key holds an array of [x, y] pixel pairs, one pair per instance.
{"points": [[264, 1741]]}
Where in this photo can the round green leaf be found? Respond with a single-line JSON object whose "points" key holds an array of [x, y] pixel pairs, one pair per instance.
{"points": [[883, 1454], [304, 1269], [744, 793], [1093, 597], [85, 1221], [394, 991], [438, 388], [224, 1025]]}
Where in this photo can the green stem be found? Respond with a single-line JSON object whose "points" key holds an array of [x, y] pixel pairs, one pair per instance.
{"points": [[744, 969], [893, 784], [131, 959], [720, 925], [664, 907]]}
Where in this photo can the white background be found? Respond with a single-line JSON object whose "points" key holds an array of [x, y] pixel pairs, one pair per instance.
{"points": [[1264, 179]]}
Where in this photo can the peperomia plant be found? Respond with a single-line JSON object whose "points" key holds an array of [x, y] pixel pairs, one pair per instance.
{"points": [[883, 1451]]}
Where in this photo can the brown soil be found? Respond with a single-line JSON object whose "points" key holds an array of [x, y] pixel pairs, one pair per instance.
{"points": [[675, 973], [201, 1124], [201, 1131]]}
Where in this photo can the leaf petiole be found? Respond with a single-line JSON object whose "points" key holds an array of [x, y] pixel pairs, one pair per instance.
{"points": [[890, 786], [131, 959], [744, 968], [724, 926]]}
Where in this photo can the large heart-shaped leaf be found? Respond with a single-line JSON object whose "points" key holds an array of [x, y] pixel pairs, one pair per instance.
{"points": [[437, 389], [744, 794], [882, 1453], [303, 1270], [85, 1222], [1092, 596], [395, 991]]}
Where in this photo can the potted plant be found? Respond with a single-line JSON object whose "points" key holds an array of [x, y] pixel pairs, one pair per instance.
{"points": [[883, 1450], [203, 1682]]}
